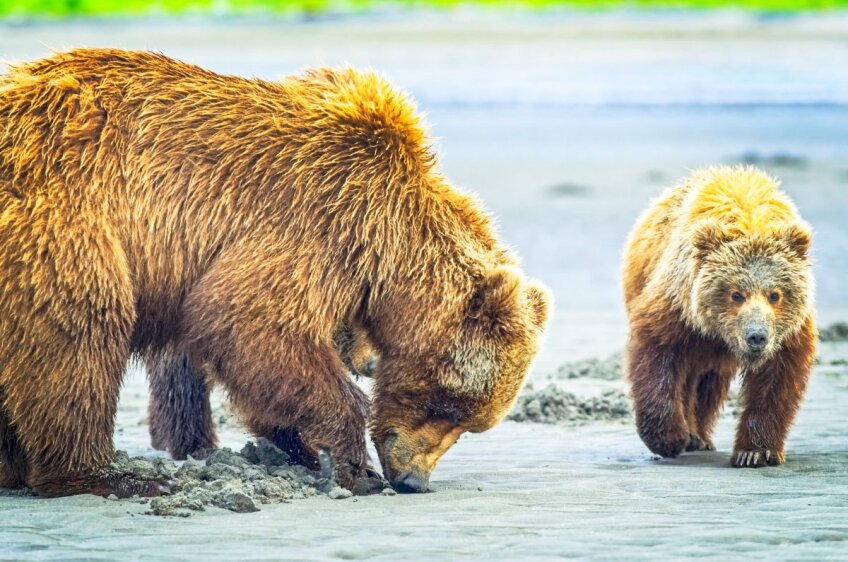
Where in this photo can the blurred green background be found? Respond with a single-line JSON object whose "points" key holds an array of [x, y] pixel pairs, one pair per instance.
{"points": [[68, 8]]}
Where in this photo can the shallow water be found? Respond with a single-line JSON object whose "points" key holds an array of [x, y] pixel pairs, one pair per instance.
{"points": [[565, 129]]}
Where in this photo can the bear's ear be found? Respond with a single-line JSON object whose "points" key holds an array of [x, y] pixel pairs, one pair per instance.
{"points": [[496, 298], [539, 299], [799, 238], [708, 237]]}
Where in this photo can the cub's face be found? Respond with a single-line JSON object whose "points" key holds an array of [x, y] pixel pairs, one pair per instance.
{"points": [[753, 292], [422, 405]]}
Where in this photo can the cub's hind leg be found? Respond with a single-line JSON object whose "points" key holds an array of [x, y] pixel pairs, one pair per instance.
{"points": [[711, 394]]}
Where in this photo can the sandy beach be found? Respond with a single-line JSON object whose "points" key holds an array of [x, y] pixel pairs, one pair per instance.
{"points": [[565, 127]]}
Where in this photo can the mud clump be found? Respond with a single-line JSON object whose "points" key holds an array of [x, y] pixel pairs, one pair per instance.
{"points": [[239, 482], [837, 332], [556, 406]]}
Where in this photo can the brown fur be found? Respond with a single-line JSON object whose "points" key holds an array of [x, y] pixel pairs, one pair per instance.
{"points": [[150, 206], [180, 414], [723, 231]]}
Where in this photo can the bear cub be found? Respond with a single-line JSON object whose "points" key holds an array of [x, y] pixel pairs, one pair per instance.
{"points": [[717, 281]]}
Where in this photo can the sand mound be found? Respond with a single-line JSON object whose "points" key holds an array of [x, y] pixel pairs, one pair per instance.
{"points": [[837, 332], [239, 482], [608, 369], [554, 405]]}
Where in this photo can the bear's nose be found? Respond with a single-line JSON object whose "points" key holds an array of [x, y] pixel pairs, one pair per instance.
{"points": [[411, 483], [756, 338]]}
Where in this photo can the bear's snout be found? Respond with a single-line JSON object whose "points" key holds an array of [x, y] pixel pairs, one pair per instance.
{"points": [[757, 338], [412, 482]]}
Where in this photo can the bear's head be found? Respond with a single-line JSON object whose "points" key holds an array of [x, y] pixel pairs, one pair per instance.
{"points": [[752, 290], [467, 382]]}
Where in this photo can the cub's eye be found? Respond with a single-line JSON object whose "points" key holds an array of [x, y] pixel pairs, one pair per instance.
{"points": [[737, 297], [774, 296]]}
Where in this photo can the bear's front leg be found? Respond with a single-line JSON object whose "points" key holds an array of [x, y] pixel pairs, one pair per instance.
{"points": [[247, 328], [299, 385], [657, 391], [771, 395]]}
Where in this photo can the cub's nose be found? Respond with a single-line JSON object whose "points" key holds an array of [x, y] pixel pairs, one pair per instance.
{"points": [[757, 338]]}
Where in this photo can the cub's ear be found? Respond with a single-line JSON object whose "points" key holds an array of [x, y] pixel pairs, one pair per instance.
{"points": [[708, 237], [539, 299], [495, 302], [799, 238]]}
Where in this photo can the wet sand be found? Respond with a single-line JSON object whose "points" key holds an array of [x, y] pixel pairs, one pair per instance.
{"points": [[565, 128]]}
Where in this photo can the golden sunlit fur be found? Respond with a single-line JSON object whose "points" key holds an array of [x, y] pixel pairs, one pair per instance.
{"points": [[716, 279], [227, 228]]}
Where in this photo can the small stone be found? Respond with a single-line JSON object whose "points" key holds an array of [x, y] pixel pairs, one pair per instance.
{"points": [[388, 492], [339, 493], [236, 501], [112, 497]]}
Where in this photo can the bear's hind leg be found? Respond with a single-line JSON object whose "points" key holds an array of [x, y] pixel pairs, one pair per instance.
{"points": [[179, 411], [66, 317], [63, 405], [12, 459], [690, 395], [711, 393], [657, 389]]}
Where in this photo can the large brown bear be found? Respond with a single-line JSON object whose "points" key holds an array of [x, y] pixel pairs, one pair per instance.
{"points": [[149, 206], [716, 280]]}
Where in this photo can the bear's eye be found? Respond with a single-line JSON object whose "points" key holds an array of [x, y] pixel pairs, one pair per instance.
{"points": [[774, 297], [445, 413], [737, 296]]}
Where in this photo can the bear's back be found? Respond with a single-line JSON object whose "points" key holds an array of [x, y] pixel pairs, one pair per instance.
{"points": [[742, 200]]}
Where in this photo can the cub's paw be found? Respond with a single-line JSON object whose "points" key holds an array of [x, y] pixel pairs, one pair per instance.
{"points": [[666, 444], [697, 444], [755, 458]]}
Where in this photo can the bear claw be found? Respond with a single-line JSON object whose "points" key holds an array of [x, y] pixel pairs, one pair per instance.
{"points": [[756, 458], [696, 443]]}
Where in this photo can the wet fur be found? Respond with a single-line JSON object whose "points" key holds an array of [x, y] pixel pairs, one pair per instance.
{"points": [[180, 413], [685, 255], [150, 206]]}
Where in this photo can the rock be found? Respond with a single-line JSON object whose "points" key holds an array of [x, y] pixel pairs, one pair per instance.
{"points": [[339, 493], [235, 500]]}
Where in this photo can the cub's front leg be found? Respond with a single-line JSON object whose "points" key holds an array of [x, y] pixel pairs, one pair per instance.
{"points": [[771, 395], [657, 391]]}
